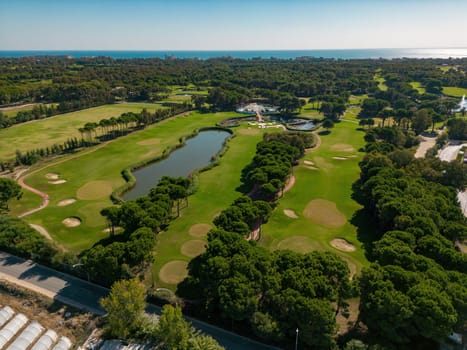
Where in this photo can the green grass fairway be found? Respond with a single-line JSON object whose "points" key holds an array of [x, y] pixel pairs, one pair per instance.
{"points": [[10, 111], [381, 82], [418, 86], [323, 183], [215, 193], [56, 130], [92, 173], [454, 91]]}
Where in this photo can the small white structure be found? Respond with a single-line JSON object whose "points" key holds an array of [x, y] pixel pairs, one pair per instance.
{"points": [[254, 108], [11, 328], [5, 314], [27, 337], [63, 344], [45, 342], [462, 105]]}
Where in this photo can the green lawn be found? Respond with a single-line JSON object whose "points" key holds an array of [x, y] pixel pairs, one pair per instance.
{"points": [[93, 173], [381, 82], [10, 111], [322, 177], [454, 91], [217, 189], [357, 100], [56, 130], [418, 86]]}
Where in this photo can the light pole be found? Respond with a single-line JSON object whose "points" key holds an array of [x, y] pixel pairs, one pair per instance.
{"points": [[296, 339]]}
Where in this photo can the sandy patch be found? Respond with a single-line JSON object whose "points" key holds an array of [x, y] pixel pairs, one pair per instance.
{"points": [[308, 162], [41, 230], [339, 158], [343, 245], [173, 272], [249, 131], [94, 190], [71, 222], [311, 167], [193, 248], [116, 229], [149, 142], [299, 244], [325, 213], [66, 202], [57, 182], [343, 147], [290, 213], [52, 176], [152, 153], [199, 230]]}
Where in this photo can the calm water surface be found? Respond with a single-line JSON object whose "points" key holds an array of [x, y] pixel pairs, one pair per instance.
{"points": [[196, 153]]}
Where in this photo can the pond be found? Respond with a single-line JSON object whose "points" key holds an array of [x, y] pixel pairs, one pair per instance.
{"points": [[197, 152]]}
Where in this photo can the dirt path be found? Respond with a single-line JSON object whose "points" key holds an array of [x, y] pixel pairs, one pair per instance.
{"points": [[289, 184], [425, 144], [41, 230], [3, 109]]}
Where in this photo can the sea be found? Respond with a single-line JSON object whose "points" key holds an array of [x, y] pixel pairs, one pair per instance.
{"points": [[252, 54]]}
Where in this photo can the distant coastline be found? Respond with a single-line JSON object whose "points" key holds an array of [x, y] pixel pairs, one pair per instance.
{"points": [[250, 54]]}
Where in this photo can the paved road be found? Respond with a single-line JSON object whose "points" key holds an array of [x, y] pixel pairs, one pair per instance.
{"points": [[79, 293]]}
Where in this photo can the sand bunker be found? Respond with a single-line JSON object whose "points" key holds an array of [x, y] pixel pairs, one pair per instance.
{"points": [[199, 230], [290, 213], [66, 202], [72, 221], [340, 158], [52, 176], [149, 142], [173, 272], [311, 167], [343, 245], [57, 182], [325, 213], [193, 248], [343, 147], [308, 162], [94, 190], [116, 229]]}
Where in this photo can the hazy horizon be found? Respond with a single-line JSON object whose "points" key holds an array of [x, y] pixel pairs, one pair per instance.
{"points": [[223, 25]]}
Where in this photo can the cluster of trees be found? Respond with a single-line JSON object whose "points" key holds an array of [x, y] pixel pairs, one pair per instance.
{"points": [[275, 156], [126, 319], [415, 292], [8, 190], [269, 293], [263, 179], [18, 238], [32, 156], [333, 106], [109, 129], [457, 128], [39, 111], [123, 255]]}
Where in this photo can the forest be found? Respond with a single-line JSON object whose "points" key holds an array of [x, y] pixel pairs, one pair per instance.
{"points": [[412, 294]]}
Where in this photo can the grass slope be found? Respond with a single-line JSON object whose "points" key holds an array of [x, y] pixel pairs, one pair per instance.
{"points": [[217, 189], [100, 168], [56, 130], [418, 86], [331, 181], [454, 91]]}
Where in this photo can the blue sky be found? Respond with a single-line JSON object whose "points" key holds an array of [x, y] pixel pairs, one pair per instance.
{"points": [[231, 25]]}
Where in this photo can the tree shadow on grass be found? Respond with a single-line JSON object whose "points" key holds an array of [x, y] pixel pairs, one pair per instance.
{"points": [[324, 132], [367, 230]]}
